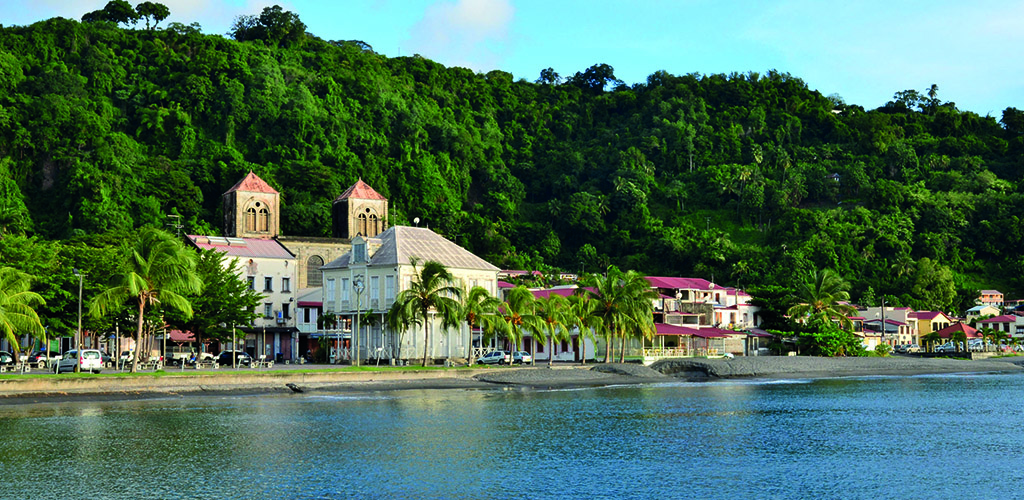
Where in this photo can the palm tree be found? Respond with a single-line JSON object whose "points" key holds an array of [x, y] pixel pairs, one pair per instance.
{"points": [[478, 308], [432, 289], [819, 299], [160, 270], [516, 315], [582, 307], [17, 307], [930, 339], [556, 315], [623, 301], [958, 337]]}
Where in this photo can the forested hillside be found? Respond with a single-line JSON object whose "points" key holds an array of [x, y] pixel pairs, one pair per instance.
{"points": [[746, 179]]}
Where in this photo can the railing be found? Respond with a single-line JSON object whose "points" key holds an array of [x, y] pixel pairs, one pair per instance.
{"points": [[679, 352]]}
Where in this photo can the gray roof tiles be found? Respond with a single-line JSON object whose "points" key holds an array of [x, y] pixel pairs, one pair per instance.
{"points": [[401, 244]]}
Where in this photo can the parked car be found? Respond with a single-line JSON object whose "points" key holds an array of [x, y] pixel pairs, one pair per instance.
{"points": [[108, 362], [39, 358], [900, 348], [242, 358], [90, 360], [6, 359], [494, 357], [521, 357], [913, 348]]}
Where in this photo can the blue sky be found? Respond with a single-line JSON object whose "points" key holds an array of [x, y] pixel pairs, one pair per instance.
{"points": [[863, 50]]}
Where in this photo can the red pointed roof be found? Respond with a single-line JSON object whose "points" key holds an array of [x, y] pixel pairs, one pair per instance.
{"points": [[253, 184], [958, 327], [360, 191]]}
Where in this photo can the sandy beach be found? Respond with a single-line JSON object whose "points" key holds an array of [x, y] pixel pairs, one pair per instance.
{"points": [[15, 390]]}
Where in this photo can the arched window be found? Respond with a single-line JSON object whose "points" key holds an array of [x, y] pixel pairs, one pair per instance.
{"points": [[263, 221], [361, 225], [250, 219], [313, 275], [374, 227]]}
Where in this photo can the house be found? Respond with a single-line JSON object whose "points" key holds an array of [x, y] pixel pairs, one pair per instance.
{"points": [[895, 332], [566, 350], [981, 311], [361, 285], [991, 298], [698, 302], [268, 268], [1010, 324], [926, 322]]}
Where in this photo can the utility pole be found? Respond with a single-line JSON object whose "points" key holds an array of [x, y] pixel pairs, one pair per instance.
{"points": [[78, 335], [176, 224]]}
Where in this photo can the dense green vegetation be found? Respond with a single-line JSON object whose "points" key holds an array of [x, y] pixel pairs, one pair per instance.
{"points": [[746, 179]]}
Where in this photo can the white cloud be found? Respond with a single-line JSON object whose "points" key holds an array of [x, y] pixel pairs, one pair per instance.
{"points": [[471, 33]]}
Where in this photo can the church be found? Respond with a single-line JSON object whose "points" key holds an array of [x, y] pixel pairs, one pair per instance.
{"points": [[290, 273]]}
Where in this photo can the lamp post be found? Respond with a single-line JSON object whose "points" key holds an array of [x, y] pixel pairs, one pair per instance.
{"points": [[357, 284], [78, 334]]}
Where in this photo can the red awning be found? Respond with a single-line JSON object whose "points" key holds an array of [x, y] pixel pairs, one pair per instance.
{"points": [[180, 336]]}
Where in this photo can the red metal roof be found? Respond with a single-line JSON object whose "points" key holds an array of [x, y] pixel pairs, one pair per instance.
{"points": [[564, 292], [958, 327], [252, 183], [684, 283], [505, 284], [242, 247], [707, 333], [360, 191], [926, 314], [310, 303], [1006, 318]]}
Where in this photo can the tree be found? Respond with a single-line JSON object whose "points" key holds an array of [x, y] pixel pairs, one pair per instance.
{"points": [[432, 289], [623, 300], [478, 310], [116, 11], [555, 317], [225, 299], [595, 78], [17, 308], [819, 298], [929, 340], [582, 307], [518, 314], [159, 271], [157, 11], [958, 337], [274, 26]]}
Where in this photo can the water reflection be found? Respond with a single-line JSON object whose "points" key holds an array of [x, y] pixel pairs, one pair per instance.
{"points": [[740, 439]]}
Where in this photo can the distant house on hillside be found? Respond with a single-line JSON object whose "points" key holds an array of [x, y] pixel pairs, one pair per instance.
{"points": [[991, 298], [981, 311]]}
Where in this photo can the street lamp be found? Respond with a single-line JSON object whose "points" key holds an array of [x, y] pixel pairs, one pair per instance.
{"points": [[357, 284], [78, 335]]}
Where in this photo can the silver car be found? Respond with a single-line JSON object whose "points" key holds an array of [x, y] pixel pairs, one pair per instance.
{"points": [[90, 360]]}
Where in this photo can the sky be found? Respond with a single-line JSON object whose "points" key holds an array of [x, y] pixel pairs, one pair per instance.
{"points": [[864, 50]]}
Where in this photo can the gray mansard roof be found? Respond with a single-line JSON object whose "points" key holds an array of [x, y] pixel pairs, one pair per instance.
{"points": [[400, 244]]}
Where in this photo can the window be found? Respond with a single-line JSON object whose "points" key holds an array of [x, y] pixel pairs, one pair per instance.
{"points": [[306, 315], [268, 284], [263, 220], [359, 252], [345, 291], [268, 310], [374, 287], [250, 219], [374, 229], [314, 277], [286, 284], [330, 290], [361, 226], [389, 287], [284, 310], [252, 283]]}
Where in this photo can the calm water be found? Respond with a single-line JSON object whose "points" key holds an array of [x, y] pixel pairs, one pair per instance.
{"points": [[927, 437]]}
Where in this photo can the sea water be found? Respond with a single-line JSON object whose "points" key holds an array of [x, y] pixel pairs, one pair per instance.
{"points": [[920, 437]]}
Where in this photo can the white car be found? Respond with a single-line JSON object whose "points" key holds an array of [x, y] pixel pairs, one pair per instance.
{"points": [[522, 357], [90, 360], [494, 357]]}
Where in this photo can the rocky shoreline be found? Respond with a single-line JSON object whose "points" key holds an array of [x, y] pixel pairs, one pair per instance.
{"points": [[47, 389]]}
